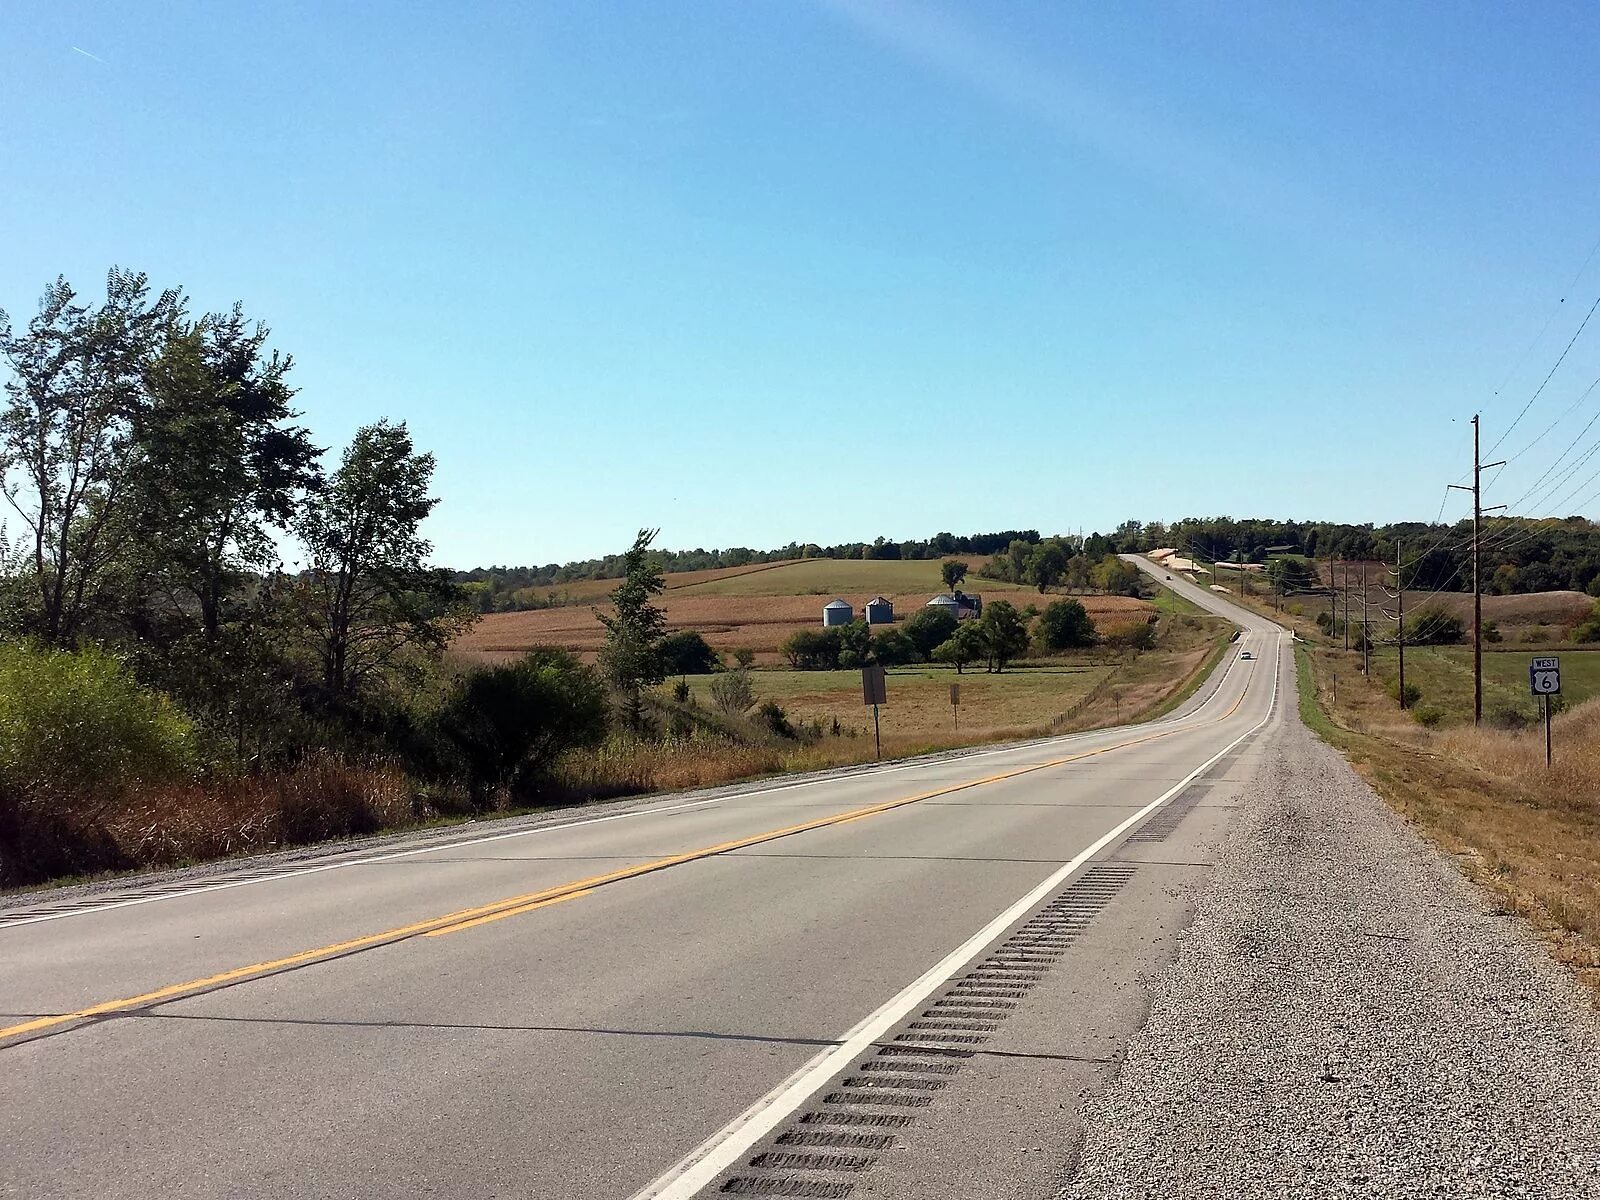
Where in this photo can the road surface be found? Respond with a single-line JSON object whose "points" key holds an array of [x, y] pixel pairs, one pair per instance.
{"points": [[891, 982]]}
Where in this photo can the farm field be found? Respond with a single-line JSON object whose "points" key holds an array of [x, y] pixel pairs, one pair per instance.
{"points": [[760, 622], [919, 697], [857, 579], [1444, 673]]}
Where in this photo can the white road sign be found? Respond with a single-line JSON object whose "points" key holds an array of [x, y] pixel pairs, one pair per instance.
{"points": [[1544, 676]]}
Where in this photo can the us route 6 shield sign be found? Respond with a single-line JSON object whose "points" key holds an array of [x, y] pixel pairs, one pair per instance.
{"points": [[1544, 676]]}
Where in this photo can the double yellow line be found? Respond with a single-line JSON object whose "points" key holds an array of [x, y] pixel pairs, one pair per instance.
{"points": [[470, 918]]}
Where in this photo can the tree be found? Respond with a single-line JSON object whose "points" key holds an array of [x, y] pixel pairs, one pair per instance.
{"points": [[1115, 577], [1018, 554], [1047, 566], [371, 598], [1004, 631], [1289, 575], [509, 723], [631, 657], [744, 655], [66, 439], [1435, 626], [965, 645], [687, 653], [1065, 625], [929, 628], [732, 691], [813, 649], [1077, 574], [952, 571], [893, 648], [219, 465]]}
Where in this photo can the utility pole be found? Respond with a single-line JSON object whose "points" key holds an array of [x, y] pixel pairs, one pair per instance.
{"points": [[1400, 623], [1366, 633], [1346, 589], [1478, 468]]}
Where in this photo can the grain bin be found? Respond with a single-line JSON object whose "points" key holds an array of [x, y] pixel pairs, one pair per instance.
{"points": [[837, 612], [880, 611]]}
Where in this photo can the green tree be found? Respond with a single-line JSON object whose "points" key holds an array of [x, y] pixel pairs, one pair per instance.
{"points": [[631, 657], [1047, 567], [1115, 577], [509, 723], [370, 598], [963, 646], [1434, 626], [813, 649], [1077, 574], [929, 628], [687, 653], [66, 442], [1065, 625], [893, 648], [952, 571], [1004, 631], [1018, 555], [732, 691]]}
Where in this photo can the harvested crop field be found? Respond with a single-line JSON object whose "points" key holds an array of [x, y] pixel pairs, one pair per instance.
{"points": [[761, 623], [857, 579]]}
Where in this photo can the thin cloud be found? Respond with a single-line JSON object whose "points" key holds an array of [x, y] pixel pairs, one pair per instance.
{"points": [[1004, 74], [96, 57]]}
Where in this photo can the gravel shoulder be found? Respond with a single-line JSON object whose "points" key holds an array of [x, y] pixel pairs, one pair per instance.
{"points": [[1347, 1016]]}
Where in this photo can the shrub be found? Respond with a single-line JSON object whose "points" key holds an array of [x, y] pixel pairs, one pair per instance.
{"points": [[744, 655], [1430, 715], [687, 653], [1065, 625], [849, 660], [732, 692], [1435, 627], [508, 724], [1509, 716], [1412, 695], [680, 691], [772, 716], [1491, 632], [929, 629], [76, 734], [1588, 630], [1138, 636]]}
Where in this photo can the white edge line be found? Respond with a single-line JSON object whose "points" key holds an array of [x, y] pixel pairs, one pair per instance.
{"points": [[723, 1148], [299, 872]]}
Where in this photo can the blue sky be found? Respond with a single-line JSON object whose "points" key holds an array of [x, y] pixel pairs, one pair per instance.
{"points": [[755, 272]]}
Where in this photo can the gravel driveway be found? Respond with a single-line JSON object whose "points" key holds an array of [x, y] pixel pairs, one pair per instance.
{"points": [[1346, 1016]]}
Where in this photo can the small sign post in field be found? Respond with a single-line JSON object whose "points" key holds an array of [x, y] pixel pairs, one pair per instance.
{"points": [[955, 703], [1544, 679], [873, 692]]}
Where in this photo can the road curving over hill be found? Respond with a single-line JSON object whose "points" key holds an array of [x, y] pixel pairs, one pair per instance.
{"points": [[903, 980]]}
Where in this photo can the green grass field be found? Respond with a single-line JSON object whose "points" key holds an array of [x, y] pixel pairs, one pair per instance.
{"points": [[1444, 673], [830, 576]]}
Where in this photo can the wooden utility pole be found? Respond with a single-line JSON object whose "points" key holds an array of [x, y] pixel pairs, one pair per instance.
{"points": [[1400, 624], [1366, 632], [1346, 589], [1478, 468]]}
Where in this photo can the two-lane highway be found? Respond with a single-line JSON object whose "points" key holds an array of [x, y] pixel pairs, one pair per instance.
{"points": [[758, 990]]}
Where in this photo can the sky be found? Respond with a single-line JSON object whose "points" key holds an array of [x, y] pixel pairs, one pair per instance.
{"points": [[766, 272]]}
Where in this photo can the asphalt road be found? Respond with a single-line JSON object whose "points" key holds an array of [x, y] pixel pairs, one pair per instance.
{"points": [[889, 982]]}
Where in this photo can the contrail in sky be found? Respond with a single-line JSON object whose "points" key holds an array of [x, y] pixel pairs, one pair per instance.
{"points": [[96, 57]]}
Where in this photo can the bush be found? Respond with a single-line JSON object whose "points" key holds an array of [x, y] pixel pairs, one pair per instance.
{"points": [[1509, 716], [1429, 715], [732, 692], [508, 724], [1412, 695], [849, 660], [1491, 632], [775, 719], [1138, 636], [687, 653], [893, 648], [680, 691], [744, 655], [1588, 630], [1065, 625], [929, 629], [77, 732], [1435, 627]]}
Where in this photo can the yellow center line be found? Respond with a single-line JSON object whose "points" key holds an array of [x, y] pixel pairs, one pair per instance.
{"points": [[468, 918]]}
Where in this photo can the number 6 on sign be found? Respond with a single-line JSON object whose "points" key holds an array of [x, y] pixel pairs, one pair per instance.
{"points": [[1544, 676]]}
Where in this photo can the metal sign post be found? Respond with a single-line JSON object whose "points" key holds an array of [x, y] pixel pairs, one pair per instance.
{"points": [[955, 703], [1544, 680], [873, 692]]}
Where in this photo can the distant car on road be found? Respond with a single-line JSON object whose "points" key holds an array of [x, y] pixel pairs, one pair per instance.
{"points": [[1247, 654]]}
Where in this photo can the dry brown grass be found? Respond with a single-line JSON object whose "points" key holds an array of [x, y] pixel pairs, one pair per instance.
{"points": [[1529, 835]]}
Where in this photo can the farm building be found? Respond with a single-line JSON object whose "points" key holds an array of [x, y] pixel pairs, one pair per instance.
{"points": [[837, 612], [880, 611], [958, 604]]}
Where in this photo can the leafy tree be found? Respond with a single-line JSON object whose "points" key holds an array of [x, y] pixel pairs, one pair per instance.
{"points": [[508, 724], [1287, 575], [219, 464], [743, 655], [687, 653], [813, 649], [1434, 627], [1048, 566], [965, 645], [893, 648], [1115, 577], [631, 657], [371, 599], [1018, 555], [1004, 631], [66, 440], [856, 637], [952, 571], [929, 628], [1065, 625], [1077, 573]]}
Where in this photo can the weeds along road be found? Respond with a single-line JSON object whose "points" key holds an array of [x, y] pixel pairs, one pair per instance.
{"points": [[900, 981]]}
